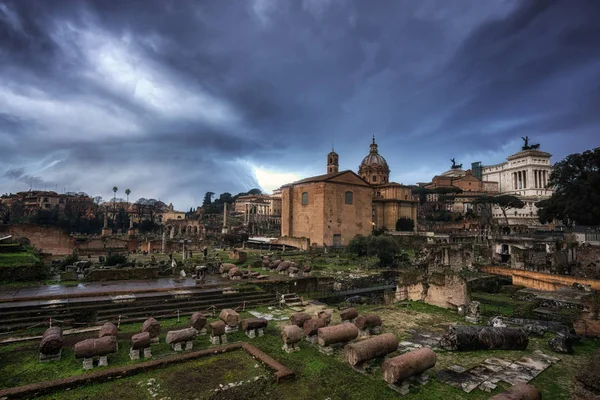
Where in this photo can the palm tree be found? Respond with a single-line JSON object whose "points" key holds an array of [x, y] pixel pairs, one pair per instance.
{"points": [[128, 192], [115, 190]]}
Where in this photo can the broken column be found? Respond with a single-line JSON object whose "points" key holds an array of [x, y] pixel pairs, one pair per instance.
{"points": [[299, 319], [198, 322], [408, 364], [368, 324], [224, 269], [473, 312], [152, 326], [282, 267], [231, 319], [563, 343], [235, 273], [336, 335], [253, 327], [51, 344], [467, 338], [348, 314], [325, 315], [217, 332], [520, 391], [176, 338], [108, 329], [140, 342], [291, 336], [376, 346], [100, 347], [311, 327]]}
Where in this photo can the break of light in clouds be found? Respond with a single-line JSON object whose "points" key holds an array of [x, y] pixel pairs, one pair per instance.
{"points": [[173, 99]]}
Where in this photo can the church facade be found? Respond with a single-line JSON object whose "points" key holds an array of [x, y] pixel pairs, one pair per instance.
{"points": [[331, 209]]}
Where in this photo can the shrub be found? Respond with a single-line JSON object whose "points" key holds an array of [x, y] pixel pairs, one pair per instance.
{"points": [[384, 247], [70, 260], [115, 259], [405, 224]]}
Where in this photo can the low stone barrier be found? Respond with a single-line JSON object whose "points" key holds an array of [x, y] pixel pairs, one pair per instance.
{"points": [[37, 389]]}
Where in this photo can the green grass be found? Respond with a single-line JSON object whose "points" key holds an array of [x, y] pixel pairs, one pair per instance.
{"points": [[194, 379], [318, 376], [18, 259]]}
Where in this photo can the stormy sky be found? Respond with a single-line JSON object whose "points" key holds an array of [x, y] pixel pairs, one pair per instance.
{"points": [[175, 98]]}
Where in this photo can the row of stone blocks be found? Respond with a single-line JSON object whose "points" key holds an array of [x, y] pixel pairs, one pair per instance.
{"points": [[183, 339]]}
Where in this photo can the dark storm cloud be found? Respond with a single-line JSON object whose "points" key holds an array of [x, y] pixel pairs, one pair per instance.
{"points": [[175, 98]]}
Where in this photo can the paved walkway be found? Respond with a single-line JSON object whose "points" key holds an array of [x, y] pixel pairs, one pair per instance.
{"points": [[97, 288]]}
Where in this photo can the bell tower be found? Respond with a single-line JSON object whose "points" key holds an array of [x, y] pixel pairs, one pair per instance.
{"points": [[332, 162]]}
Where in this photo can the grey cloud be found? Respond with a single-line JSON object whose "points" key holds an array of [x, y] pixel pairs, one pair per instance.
{"points": [[431, 79]]}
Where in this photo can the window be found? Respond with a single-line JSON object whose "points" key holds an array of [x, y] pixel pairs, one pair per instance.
{"points": [[45, 199], [348, 197], [374, 178], [305, 198]]}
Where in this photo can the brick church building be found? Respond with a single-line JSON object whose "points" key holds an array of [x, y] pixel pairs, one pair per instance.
{"points": [[331, 209]]}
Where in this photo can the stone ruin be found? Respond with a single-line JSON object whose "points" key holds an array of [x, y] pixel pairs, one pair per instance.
{"points": [[359, 353], [177, 338], [336, 335], [253, 327], [311, 328], [397, 370], [443, 290], [51, 344], [140, 343], [348, 314], [152, 326], [231, 319], [520, 391], [217, 332], [469, 338], [198, 322], [368, 324], [486, 375], [291, 335], [473, 312], [88, 349]]}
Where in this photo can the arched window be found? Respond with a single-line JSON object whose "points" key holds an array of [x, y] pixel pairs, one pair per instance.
{"points": [[348, 197], [304, 198], [374, 178]]}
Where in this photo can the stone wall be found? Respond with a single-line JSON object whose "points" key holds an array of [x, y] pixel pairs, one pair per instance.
{"points": [[299, 243], [588, 261], [347, 220], [443, 258], [111, 274], [48, 239], [540, 280], [442, 290]]}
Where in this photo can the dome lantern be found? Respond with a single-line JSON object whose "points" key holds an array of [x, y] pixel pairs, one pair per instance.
{"points": [[373, 168]]}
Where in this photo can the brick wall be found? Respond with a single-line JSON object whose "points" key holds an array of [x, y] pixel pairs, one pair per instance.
{"points": [[46, 238], [540, 280]]}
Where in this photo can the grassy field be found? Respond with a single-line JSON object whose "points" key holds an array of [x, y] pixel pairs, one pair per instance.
{"points": [[318, 376], [18, 259], [198, 379]]}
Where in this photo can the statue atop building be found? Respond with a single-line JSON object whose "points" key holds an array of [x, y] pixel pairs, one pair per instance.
{"points": [[526, 145], [455, 165]]}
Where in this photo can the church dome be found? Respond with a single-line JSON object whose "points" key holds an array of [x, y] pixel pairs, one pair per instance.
{"points": [[373, 168], [373, 160]]}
